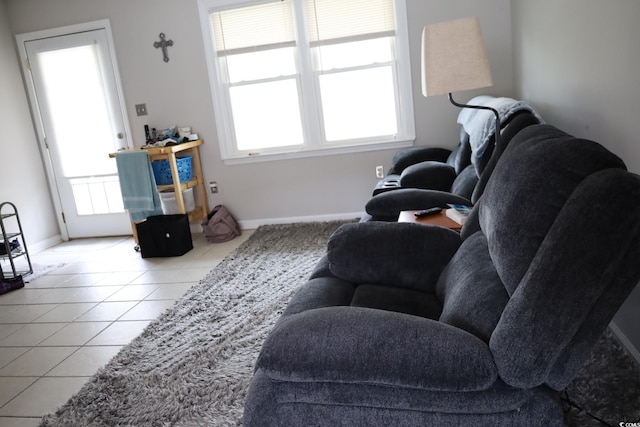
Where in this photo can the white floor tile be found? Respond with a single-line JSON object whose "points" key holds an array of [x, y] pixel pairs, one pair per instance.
{"points": [[146, 310], [49, 281], [43, 396], [155, 276], [88, 279], [19, 421], [171, 291], [56, 296], [84, 362], [75, 334], [119, 333], [107, 311], [10, 387], [8, 329], [37, 361], [31, 335], [132, 293], [120, 278], [94, 293], [9, 354], [21, 296], [24, 313], [66, 312], [190, 274]]}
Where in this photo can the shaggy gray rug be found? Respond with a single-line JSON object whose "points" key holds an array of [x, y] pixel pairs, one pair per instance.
{"points": [[606, 390], [192, 366]]}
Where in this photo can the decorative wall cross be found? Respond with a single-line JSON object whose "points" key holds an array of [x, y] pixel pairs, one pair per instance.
{"points": [[163, 44]]}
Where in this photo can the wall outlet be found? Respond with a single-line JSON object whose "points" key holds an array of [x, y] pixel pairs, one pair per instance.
{"points": [[213, 187], [379, 172]]}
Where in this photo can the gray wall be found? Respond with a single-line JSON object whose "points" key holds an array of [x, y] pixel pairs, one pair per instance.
{"points": [[177, 93], [22, 177], [578, 62]]}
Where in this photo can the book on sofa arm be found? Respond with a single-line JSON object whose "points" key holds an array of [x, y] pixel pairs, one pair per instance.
{"points": [[458, 213]]}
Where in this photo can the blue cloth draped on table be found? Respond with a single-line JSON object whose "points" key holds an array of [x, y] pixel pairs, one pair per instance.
{"points": [[138, 185]]}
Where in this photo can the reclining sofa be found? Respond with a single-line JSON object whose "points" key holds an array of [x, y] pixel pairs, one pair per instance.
{"points": [[436, 168], [465, 188], [405, 324]]}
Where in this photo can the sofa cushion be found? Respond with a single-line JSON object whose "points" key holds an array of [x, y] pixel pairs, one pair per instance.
{"points": [[399, 300], [320, 292], [394, 254], [473, 295], [366, 346], [465, 182], [461, 157], [321, 269]]}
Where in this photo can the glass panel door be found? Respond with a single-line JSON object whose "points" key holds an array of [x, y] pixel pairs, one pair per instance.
{"points": [[82, 119]]}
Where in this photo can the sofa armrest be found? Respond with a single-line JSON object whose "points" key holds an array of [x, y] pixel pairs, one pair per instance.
{"points": [[411, 156], [390, 204], [368, 346], [391, 254], [428, 175]]}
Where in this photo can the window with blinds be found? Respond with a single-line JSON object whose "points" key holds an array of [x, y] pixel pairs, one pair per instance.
{"points": [[308, 75]]}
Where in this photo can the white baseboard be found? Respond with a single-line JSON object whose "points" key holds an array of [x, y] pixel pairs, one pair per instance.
{"points": [[253, 224], [196, 227], [40, 246], [625, 342]]}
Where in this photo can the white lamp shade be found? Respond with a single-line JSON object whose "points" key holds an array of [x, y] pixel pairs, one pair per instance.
{"points": [[453, 57]]}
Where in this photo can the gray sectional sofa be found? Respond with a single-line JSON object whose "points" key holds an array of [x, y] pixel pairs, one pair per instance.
{"points": [[412, 325]]}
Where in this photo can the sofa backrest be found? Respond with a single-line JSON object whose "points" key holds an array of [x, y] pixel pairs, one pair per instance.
{"points": [[471, 181], [512, 126], [554, 257], [460, 156]]}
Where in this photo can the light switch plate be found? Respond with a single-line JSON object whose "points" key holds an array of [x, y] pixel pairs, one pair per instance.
{"points": [[141, 109]]}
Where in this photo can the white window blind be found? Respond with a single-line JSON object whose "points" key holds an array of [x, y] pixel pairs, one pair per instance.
{"points": [[339, 21], [265, 26]]}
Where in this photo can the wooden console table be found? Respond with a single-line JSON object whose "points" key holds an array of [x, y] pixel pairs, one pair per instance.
{"points": [[196, 182]]}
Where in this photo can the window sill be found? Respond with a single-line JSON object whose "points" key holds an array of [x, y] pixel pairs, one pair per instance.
{"points": [[319, 152]]}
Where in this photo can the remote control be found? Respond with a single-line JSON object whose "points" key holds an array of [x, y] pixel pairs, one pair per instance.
{"points": [[427, 212]]}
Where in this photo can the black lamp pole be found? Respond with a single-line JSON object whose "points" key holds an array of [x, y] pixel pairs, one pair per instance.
{"points": [[498, 146]]}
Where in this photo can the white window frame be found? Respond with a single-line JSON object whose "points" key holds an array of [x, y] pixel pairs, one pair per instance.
{"points": [[314, 144]]}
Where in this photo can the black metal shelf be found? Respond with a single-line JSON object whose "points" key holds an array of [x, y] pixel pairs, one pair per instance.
{"points": [[8, 269]]}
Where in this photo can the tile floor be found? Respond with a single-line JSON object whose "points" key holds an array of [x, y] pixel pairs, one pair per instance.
{"points": [[61, 327]]}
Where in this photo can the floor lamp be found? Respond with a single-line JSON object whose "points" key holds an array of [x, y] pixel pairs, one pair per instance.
{"points": [[454, 59]]}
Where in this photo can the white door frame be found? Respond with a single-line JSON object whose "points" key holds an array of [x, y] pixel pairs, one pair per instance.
{"points": [[21, 39]]}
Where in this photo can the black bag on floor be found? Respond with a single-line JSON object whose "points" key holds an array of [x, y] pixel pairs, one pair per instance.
{"points": [[164, 236], [10, 284]]}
